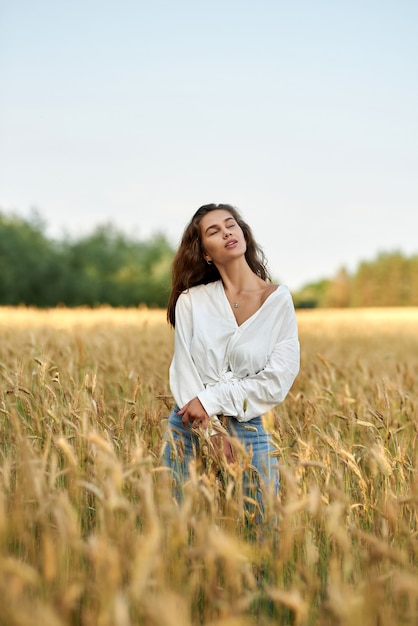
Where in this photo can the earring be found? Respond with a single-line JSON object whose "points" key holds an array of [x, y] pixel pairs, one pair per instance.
{"points": [[209, 262]]}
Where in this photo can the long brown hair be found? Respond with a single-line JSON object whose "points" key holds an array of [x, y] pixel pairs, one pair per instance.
{"points": [[189, 266]]}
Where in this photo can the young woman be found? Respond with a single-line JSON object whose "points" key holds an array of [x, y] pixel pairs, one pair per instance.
{"points": [[236, 350]]}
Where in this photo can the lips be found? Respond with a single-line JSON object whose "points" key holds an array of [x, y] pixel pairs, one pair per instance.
{"points": [[231, 243]]}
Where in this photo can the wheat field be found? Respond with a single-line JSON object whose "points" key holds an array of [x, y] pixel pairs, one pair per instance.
{"points": [[90, 533]]}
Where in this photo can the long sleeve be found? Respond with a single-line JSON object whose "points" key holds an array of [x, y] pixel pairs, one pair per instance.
{"points": [[185, 381]]}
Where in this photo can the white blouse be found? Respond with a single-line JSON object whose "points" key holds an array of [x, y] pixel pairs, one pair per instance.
{"points": [[235, 370]]}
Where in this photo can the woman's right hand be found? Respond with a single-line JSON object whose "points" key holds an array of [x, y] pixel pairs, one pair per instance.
{"points": [[193, 414]]}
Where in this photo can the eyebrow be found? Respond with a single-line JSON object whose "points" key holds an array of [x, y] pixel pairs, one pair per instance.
{"points": [[230, 217]]}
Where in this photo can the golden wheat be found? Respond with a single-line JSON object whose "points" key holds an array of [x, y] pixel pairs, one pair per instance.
{"points": [[89, 530]]}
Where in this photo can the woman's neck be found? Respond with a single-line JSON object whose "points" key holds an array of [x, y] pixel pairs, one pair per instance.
{"points": [[240, 278]]}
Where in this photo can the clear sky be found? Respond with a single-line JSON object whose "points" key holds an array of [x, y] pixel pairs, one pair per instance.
{"points": [[302, 113]]}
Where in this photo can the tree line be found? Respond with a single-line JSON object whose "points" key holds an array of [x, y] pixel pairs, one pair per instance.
{"points": [[389, 280], [110, 267], [104, 267]]}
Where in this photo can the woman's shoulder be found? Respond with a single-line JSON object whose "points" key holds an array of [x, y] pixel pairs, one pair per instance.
{"points": [[197, 298], [277, 288], [200, 290], [279, 294]]}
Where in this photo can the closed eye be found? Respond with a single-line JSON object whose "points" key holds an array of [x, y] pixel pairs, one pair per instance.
{"points": [[213, 229]]}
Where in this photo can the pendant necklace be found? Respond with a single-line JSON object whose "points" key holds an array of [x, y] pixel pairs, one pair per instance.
{"points": [[235, 304]]}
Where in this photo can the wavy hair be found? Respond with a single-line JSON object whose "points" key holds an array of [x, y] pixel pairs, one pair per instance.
{"points": [[189, 267]]}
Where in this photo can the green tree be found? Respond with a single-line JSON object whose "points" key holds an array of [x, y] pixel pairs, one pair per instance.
{"points": [[389, 280], [312, 295], [29, 262], [106, 266], [109, 267], [386, 281]]}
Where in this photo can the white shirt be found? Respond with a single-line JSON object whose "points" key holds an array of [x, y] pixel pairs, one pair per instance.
{"points": [[243, 370]]}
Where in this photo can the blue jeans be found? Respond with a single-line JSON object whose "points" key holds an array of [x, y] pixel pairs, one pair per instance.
{"points": [[182, 445]]}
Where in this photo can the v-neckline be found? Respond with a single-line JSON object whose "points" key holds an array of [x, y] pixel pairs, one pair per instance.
{"points": [[255, 314]]}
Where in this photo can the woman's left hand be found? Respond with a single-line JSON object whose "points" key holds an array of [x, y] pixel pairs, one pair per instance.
{"points": [[194, 414]]}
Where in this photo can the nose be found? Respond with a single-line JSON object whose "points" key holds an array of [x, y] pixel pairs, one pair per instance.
{"points": [[226, 233]]}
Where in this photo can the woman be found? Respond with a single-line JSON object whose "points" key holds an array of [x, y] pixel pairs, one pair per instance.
{"points": [[236, 348]]}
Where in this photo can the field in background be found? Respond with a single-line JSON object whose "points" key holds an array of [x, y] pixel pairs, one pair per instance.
{"points": [[89, 532]]}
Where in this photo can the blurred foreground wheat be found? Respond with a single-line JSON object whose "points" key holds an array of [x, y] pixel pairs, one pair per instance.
{"points": [[90, 533]]}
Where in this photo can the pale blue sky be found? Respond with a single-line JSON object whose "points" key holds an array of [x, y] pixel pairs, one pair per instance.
{"points": [[302, 114]]}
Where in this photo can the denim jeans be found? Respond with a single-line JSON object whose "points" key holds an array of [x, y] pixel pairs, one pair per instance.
{"points": [[182, 445]]}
